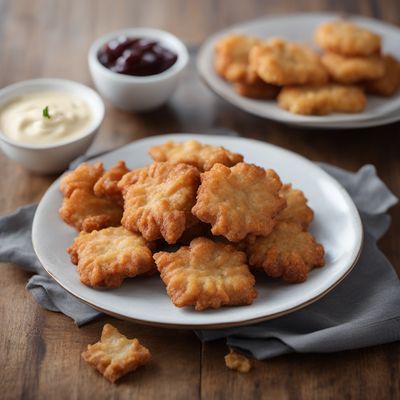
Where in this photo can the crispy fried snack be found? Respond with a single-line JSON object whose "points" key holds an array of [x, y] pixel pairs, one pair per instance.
{"points": [[202, 156], [115, 355], [389, 83], [280, 62], [107, 184], [353, 69], [239, 200], [237, 362], [345, 38], [288, 253], [159, 200], [107, 257], [258, 90], [321, 100], [232, 56], [206, 275], [297, 210]]}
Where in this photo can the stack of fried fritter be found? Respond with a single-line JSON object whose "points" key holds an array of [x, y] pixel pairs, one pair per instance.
{"points": [[303, 81], [225, 218]]}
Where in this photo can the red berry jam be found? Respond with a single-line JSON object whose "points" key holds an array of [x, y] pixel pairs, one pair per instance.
{"points": [[136, 56]]}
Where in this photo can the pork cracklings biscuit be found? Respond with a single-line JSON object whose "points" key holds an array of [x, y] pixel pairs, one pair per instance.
{"points": [[158, 200], [321, 100], [345, 38], [206, 275], [108, 256], [288, 252], [233, 200], [115, 355], [280, 62], [202, 156]]}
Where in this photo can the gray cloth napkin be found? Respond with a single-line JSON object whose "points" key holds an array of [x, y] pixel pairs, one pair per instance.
{"points": [[363, 310]]}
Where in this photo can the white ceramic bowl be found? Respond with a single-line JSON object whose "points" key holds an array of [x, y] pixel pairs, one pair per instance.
{"points": [[138, 93], [55, 157]]}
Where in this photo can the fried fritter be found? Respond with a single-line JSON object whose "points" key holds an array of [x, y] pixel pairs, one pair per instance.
{"points": [[159, 200], [115, 355], [258, 90], [206, 275], [297, 210], [237, 362], [288, 253], [389, 83], [353, 69], [232, 56], [202, 156], [108, 256], [280, 62], [348, 39], [239, 200], [321, 100], [107, 184]]}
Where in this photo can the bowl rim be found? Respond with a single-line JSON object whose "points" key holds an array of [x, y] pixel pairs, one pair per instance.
{"points": [[178, 46], [98, 112]]}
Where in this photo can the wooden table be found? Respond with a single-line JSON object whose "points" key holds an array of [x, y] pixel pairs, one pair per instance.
{"points": [[40, 350]]}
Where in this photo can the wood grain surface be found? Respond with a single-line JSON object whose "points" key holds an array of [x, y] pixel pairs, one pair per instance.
{"points": [[40, 350]]}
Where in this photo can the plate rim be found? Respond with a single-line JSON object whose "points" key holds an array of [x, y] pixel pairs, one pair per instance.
{"points": [[355, 216]]}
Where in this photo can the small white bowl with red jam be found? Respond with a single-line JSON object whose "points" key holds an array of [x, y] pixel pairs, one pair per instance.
{"points": [[137, 69]]}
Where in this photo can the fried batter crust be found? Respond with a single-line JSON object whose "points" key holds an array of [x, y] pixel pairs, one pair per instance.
{"points": [[239, 200], [115, 355], [321, 100], [159, 200], [107, 257], [280, 62], [206, 275], [345, 38], [288, 253], [237, 362], [258, 90], [202, 156]]}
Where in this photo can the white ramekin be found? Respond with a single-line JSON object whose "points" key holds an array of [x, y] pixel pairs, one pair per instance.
{"points": [[138, 93], [55, 157]]}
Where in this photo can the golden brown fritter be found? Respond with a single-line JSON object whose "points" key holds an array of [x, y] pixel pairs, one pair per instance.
{"points": [[288, 253], [206, 275], [239, 200], [297, 210], [115, 355], [322, 100], [348, 39], [237, 362], [107, 184], [108, 256], [353, 69], [159, 200], [202, 156], [280, 62], [258, 90]]}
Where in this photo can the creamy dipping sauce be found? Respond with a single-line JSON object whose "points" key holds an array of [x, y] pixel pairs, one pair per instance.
{"points": [[45, 117]]}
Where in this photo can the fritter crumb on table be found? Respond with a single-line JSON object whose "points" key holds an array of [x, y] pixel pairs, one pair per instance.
{"points": [[108, 256], [237, 362], [115, 355], [206, 275]]}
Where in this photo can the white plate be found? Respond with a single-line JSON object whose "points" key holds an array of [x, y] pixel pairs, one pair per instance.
{"points": [[297, 27], [337, 226]]}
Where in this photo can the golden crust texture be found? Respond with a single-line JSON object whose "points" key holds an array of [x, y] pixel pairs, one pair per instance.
{"points": [[321, 100], [345, 38], [115, 355], [239, 200], [159, 200], [297, 210], [107, 184], [232, 56], [202, 156], [107, 257], [288, 253], [257, 90], [280, 62], [389, 83], [353, 69], [206, 275], [237, 362]]}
